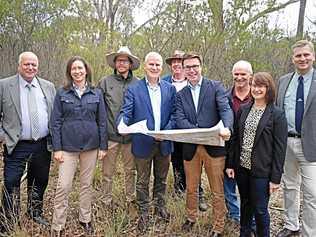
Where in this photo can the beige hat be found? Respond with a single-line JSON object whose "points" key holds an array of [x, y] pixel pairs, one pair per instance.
{"points": [[124, 50], [178, 54]]}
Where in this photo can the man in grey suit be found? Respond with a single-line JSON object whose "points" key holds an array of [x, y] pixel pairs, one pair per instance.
{"points": [[297, 96], [25, 107]]}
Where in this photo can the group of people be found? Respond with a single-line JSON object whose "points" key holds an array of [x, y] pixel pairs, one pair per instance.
{"points": [[269, 136]]}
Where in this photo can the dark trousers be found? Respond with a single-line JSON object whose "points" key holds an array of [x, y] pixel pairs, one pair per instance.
{"points": [[254, 200], [178, 170], [37, 159], [143, 167]]}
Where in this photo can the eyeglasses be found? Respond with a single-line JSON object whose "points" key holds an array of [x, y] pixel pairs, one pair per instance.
{"points": [[189, 67], [122, 61]]}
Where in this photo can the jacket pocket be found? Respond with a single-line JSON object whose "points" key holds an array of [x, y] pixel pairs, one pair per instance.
{"points": [[93, 100]]}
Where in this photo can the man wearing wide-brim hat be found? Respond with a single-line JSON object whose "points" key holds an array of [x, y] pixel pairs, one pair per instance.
{"points": [[113, 86], [178, 79]]}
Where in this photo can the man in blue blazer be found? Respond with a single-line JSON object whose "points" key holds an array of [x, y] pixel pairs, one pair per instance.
{"points": [[151, 99], [202, 104]]}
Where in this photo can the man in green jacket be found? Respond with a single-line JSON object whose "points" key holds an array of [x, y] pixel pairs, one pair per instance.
{"points": [[113, 86]]}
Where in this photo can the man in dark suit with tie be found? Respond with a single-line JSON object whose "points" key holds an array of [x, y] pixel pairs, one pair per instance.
{"points": [[25, 106], [297, 96], [151, 99], [202, 104]]}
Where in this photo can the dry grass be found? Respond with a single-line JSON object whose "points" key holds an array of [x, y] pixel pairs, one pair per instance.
{"points": [[122, 222]]}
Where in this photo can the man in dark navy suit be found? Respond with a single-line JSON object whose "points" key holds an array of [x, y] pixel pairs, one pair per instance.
{"points": [[151, 99], [202, 104]]}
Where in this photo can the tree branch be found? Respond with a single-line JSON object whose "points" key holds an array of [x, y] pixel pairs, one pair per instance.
{"points": [[267, 11]]}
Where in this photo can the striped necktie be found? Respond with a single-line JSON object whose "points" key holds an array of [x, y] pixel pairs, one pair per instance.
{"points": [[33, 113]]}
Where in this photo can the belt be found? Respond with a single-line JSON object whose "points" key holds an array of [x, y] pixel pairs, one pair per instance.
{"points": [[33, 141], [294, 135]]}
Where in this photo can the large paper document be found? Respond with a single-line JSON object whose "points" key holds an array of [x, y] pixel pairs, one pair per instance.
{"points": [[204, 136]]}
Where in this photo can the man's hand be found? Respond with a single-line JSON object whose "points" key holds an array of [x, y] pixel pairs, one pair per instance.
{"points": [[58, 155], [273, 187], [230, 173], [225, 134], [102, 154]]}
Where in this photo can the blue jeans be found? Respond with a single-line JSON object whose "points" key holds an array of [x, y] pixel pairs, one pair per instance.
{"points": [[254, 200], [231, 200], [37, 159]]}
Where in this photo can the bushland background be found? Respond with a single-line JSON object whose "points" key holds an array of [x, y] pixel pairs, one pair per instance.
{"points": [[222, 31]]}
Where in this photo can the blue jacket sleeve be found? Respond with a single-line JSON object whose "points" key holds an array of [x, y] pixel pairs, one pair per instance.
{"points": [[56, 122], [223, 107], [102, 124], [126, 112]]}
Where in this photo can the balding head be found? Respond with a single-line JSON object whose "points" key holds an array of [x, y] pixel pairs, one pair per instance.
{"points": [[28, 65], [242, 73]]}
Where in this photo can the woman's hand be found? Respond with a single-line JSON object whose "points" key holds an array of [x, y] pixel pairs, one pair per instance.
{"points": [[102, 154], [58, 155], [273, 187], [230, 173]]}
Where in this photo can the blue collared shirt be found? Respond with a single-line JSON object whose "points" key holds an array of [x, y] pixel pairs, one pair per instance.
{"points": [[155, 100], [195, 92], [42, 109], [290, 97]]}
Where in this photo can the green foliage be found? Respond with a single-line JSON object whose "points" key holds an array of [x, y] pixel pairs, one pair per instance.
{"points": [[57, 30]]}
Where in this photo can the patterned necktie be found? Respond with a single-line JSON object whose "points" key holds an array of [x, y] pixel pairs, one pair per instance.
{"points": [[299, 108], [33, 113]]}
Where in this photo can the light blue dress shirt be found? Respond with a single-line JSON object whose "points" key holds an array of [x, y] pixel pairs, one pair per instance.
{"points": [[195, 91], [290, 97], [42, 109], [155, 100]]}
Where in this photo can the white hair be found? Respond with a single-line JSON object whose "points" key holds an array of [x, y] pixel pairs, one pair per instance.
{"points": [[242, 64], [26, 54], [153, 55]]}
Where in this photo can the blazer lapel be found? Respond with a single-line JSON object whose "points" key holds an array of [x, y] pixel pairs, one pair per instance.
{"points": [[242, 121], [47, 95], [282, 89], [203, 90], [14, 89], [263, 122], [189, 99], [311, 93], [146, 97]]}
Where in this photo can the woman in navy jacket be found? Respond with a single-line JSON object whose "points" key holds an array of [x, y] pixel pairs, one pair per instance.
{"points": [[78, 125], [257, 155]]}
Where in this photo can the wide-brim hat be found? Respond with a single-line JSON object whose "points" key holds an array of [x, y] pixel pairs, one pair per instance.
{"points": [[178, 54], [124, 50]]}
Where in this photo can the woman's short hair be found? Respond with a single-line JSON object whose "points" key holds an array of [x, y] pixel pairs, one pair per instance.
{"points": [[265, 79], [68, 81]]}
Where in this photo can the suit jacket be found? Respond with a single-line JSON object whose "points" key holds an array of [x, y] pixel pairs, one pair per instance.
{"points": [[308, 132], [10, 108], [137, 107], [269, 148], [213, 106]]}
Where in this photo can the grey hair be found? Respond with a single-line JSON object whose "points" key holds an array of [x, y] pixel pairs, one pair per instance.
{"points": [[153, 55], [27, 53], [244, 65]]}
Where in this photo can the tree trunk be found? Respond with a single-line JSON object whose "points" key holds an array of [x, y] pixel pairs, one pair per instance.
{"points": [[301, 16]]}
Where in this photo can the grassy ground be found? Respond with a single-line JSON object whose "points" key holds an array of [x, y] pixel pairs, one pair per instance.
{"points": [[122, 221]]}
